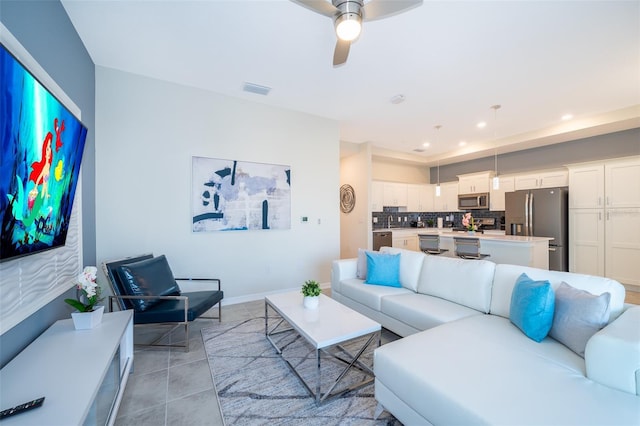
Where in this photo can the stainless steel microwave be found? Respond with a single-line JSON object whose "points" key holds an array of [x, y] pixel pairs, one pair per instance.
{"points": [[473, 201]]}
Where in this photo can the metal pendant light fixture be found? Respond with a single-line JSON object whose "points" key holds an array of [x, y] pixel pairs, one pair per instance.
{"points": [[438, 185], [496, 179]]}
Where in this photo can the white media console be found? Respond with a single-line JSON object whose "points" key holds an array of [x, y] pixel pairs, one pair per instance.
{"points": [[81, 373]]}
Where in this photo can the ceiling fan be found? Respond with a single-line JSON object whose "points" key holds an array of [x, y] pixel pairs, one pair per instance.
{"points": [[348, 16]]}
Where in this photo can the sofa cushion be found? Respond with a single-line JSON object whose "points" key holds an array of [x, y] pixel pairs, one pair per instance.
{"points": [[506, 275], [368, 295], [532, 307], [578, 316], [462, 281], [423, 312], [482, 370], [383, 269], [151, 277], [361, 268], [410, 266]]}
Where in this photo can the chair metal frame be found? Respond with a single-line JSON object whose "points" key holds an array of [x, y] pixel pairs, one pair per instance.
{"points": [[430, 244], [174, 325], [468, 248]]}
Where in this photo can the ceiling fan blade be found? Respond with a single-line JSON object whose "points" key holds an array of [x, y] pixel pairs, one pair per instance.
{"points": [[341, 52], [378, 9], [322, 7]]}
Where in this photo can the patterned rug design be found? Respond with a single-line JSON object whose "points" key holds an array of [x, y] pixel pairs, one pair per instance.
{"points": [[256, 387]]}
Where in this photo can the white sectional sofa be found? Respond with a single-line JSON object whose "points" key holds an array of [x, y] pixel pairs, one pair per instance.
{"points": [[462, 361]]}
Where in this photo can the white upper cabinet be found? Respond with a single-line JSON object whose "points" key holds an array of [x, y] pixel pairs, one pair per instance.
{"points": [[622, 183], [610, 184], [546, 179], [419, 198], [496, 196], [448, 199], [395, 194], [474, 183], [586, 186]]}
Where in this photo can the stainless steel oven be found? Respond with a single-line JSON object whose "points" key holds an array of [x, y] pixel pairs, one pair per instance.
{"points": [[473, 201]]}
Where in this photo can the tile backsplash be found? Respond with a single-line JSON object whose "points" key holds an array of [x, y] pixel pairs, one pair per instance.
{"points": [[396, 218]]}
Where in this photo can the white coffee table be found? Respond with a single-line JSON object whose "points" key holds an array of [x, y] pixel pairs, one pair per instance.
{"points": [[330, 327]]}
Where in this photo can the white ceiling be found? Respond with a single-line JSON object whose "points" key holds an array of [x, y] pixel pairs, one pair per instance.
{"points": [[452, 60]]}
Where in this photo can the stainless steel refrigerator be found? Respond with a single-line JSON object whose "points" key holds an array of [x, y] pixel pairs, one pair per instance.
{"points": [[541, 213]]}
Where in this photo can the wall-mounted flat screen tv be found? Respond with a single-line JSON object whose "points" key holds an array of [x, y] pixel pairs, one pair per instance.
{"points": [[41, 145]]}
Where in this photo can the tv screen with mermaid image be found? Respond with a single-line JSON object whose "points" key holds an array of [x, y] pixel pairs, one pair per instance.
{"points": [[41, 146]]}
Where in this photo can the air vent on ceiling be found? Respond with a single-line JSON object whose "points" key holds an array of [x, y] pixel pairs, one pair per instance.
{"points": [[256, 88], [419, 150]]}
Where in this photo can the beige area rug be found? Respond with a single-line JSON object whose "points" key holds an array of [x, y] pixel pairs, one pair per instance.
{"points": [[256, 387]]}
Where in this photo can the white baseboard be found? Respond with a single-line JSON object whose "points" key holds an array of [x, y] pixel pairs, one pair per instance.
{"points": [[260, 296]]}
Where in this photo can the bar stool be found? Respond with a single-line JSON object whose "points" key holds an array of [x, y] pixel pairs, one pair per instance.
{"points": [[468, 248], [430, 244]]}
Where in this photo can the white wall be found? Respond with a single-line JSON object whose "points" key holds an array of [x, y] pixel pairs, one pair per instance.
{"points": [[397, 171], [146, 133], [355, 227]]}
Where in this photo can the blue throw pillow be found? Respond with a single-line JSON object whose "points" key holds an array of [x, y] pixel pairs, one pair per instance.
{"points": [[532, 307], [383, 269]]}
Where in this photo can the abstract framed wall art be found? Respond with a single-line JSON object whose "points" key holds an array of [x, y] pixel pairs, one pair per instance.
{"points": [[229, 195]]}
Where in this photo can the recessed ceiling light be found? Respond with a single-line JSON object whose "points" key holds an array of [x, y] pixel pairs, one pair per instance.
{"points": [[397, 99], [462, 143], [426, 144], [567, 117], [482, 125]]}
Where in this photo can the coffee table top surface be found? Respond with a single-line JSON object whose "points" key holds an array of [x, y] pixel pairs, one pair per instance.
{"points": [[331, 323]]}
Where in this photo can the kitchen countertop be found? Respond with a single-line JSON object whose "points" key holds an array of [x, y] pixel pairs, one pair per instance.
{"points": [[449, 233]]}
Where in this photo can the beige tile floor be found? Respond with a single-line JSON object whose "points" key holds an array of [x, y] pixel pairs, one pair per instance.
{"points": [[171, 387]]}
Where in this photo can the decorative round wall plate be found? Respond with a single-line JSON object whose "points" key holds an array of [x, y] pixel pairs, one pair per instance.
{"points": [[347, 198]]}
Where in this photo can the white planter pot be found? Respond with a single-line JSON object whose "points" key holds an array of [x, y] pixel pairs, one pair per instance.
{"points": [[311, 302], [87, 320]]}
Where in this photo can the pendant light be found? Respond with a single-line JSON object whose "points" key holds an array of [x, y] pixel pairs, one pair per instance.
{"points": [[438, 185], [496, 179]]}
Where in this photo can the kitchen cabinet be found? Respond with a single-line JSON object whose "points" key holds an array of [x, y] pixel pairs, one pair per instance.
{"points": [[377, 198], [622, 245], [622, 183], [448, 199], [407, 242], [586, 186], [395, 194], [586, 241], [604, 210], [419, 198], [474, 183], [546, 179], [496, 196]]}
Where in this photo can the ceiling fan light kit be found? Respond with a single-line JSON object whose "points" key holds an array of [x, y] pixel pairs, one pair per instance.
{"points": [[348, 26], [348, 15]]}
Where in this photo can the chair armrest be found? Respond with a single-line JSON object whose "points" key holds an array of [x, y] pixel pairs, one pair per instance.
{"points": [[185, 298], [612, 355], [197, 284], [342, 269]]}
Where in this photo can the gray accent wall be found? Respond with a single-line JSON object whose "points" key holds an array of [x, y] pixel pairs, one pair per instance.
{"points": [[44, 29], [613, 145]]}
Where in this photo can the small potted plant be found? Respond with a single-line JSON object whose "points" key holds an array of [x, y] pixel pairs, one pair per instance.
{"points": [[468, 222], [88, 295], [311, 292]]}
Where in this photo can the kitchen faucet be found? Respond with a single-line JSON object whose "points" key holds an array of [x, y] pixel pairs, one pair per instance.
{"points": [[389, 222]]}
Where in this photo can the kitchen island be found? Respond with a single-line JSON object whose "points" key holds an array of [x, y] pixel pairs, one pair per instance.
{"points": [[512, 249]]}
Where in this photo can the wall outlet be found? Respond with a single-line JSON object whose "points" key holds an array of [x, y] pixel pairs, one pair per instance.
{"points": [[375, 219]]}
